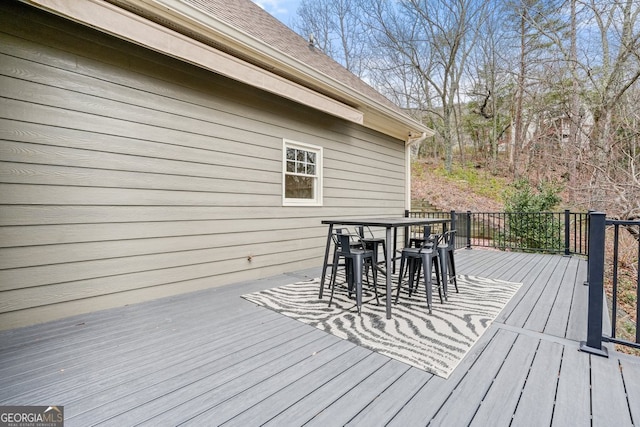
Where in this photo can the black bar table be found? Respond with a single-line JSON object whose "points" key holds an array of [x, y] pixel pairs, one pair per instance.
{"points": [[388, 224]]}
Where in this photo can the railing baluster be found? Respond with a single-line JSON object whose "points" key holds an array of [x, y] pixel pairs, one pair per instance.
{"points": [[614, 302], [527, 231], [468, 229], [638, 286]]}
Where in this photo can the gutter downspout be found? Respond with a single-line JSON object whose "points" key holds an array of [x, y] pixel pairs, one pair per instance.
{"points": [[410, 142]]}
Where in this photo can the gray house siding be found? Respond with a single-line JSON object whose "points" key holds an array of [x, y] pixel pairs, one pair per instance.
{"points": [[127, 175]]}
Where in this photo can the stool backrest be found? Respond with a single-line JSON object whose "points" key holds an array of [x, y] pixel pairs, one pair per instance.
{"points": [[337, 232], [344, 243], [449, 239], [426, 232], [361, 230]]}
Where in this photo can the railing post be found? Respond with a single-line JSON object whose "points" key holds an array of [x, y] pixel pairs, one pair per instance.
{"points": [[595, 267], [589, 212], [567, 232], [468, 229]]}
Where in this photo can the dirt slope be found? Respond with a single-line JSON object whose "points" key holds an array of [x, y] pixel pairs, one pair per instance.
{"points": [[446, 194]]}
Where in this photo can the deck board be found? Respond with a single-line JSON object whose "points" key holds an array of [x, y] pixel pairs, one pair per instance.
{"points": [[528, 299], [540, 312], [385, 407], [500, 402], [428, 401], [522, 270], [475, 385], [348, 405], [213, 358], [219, 404], [631, 375], [183, 395], [573, 398], [140, 347], [499, 268], [558, 318], [535, 408], [579, 306], [328, 393], [117, 374], [275, 403], [609, 396]]}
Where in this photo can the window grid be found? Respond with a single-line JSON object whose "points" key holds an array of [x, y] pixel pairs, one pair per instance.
{"points": [[302, 174]]}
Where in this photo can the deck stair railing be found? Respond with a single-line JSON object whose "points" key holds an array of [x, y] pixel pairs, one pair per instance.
{"points": [[550, 232], [598, 263]]}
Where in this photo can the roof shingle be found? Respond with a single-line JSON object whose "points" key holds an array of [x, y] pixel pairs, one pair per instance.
{"points": [[251, 19]]}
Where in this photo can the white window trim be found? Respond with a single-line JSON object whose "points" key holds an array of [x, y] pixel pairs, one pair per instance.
{"points": [[317, 200]]}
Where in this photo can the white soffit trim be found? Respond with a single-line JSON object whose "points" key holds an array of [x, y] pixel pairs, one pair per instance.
{"points": [[416, 139], [128, 26]]}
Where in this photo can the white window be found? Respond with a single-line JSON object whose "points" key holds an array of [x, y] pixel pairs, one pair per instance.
{"points": [[302, 174]]}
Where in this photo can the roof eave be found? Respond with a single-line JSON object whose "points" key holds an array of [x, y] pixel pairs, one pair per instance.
{"points": [[334, 97], [125, 25], [385, 119]]}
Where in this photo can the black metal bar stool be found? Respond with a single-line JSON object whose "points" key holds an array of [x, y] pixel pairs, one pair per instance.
{"points": [[355, 260], [447, 260], [427, 257], [372, 243], [356, 244]]}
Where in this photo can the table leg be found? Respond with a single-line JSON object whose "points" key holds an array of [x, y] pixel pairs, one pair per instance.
{"points": [[443, 272], [395, 241], [389, 248], [326, 259]]}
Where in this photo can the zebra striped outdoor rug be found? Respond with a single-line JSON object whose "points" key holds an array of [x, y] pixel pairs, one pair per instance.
{"points": [[435, 343]]}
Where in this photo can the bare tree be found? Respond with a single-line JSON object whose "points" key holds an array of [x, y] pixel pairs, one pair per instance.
{"points": [[432, 41], [619, 38], [603, 58], [335, 27], [489, 114], [574, 115], [562, 77]]}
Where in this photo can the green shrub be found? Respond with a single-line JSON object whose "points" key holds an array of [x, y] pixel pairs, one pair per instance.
{"points": [[522, 197], [530, 225]]}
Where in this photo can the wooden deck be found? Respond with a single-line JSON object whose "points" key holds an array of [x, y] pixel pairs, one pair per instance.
{"points": [[211, 358]]}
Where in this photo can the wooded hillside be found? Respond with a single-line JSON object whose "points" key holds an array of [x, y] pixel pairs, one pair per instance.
{"points": [[544, 89]]}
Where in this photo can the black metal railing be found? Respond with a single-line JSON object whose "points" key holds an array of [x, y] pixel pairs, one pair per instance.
{"points": [[568, 233], [460, 240], [550, 232], [598, 263]]}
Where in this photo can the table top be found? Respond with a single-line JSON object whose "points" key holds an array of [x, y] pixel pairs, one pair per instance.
{"points": [[386, 222]]}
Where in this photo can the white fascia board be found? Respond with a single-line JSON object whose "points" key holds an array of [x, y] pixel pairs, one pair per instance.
{"points": [[118, 22]]}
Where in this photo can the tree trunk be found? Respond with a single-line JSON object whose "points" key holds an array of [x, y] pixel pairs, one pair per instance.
{"points": [[518, 132], [575, 120]]}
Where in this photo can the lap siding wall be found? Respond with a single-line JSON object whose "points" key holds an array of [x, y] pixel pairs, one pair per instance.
{"points": [[126, 175]]}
